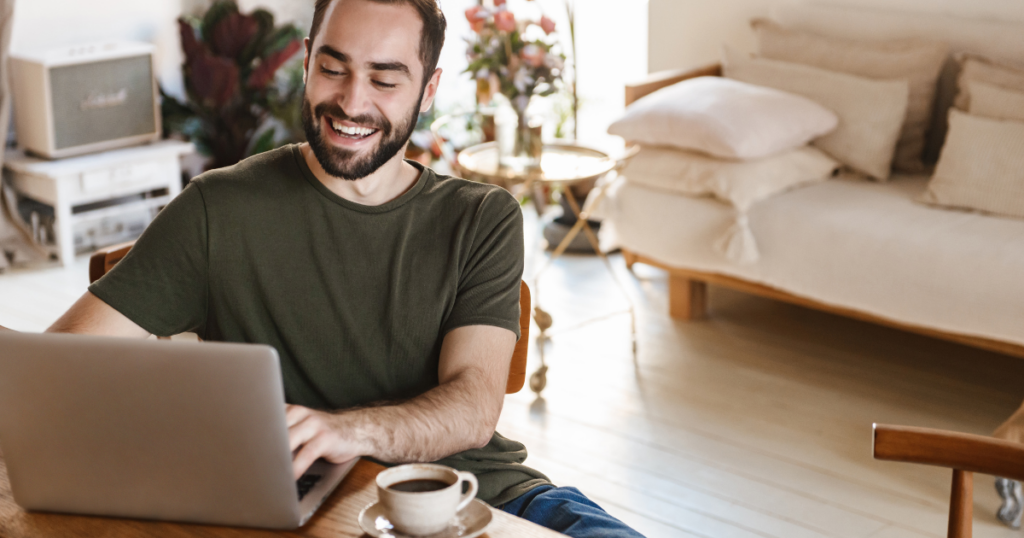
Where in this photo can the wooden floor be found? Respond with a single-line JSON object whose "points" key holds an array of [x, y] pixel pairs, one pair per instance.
{"points": [[755, 422]]}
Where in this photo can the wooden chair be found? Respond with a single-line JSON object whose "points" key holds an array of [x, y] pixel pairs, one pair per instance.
{"points": [[964, 453], [104, 259]]}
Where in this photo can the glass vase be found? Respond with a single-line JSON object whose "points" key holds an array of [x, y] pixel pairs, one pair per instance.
{"points": [[520, 144]]}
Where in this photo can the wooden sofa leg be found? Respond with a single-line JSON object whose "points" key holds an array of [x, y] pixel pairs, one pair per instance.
{"points": [[687, 299], [629, 258]]}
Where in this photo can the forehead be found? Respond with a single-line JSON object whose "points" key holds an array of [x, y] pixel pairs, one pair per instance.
{"points": [[368, 31]]}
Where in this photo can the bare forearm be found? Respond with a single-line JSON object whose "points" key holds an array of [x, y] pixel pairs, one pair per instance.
{"points": [[90, 315], [444, 421], [458, 415]]}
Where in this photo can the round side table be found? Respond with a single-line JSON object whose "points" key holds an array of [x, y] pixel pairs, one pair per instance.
{"points": [[562, 164]]}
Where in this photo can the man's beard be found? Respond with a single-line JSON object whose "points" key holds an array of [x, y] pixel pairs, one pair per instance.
{"points": [[344, 163]]}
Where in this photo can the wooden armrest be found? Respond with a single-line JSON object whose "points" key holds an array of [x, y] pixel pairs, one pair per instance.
{"points": [[975, 453], [662, 79], [517, 368], [102, 260]]}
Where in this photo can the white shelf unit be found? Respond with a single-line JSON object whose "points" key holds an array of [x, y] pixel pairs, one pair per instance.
{"points": [[119, 183]]}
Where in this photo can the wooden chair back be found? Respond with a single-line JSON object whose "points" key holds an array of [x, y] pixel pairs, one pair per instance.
{"points": [[966, 454], [104, 259]]}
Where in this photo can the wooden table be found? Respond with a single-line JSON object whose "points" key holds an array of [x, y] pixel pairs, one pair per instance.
{"points": [[335, 519]]}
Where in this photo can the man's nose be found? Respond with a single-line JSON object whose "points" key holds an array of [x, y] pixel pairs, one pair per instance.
{"points": [[355, 97]]}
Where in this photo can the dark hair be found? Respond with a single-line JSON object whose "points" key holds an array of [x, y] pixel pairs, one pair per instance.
{"points": [[431, 38]]}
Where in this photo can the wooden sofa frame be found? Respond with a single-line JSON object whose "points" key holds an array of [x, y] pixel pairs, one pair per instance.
{"points": [[688, 288]]}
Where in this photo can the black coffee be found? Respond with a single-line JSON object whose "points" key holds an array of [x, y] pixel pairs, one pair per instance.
{"points": [[419, 485]]}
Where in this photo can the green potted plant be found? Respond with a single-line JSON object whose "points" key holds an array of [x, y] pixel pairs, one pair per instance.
{"points": [[231, 62]]}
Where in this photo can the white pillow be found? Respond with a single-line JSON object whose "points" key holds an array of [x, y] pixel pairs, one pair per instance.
{"points": [[871, 112], [995, 102], [916, 60], [740, 183], [725, 118], [981, 166]]}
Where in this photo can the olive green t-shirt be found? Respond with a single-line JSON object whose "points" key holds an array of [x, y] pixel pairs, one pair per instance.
{"points": [[355, 299]]}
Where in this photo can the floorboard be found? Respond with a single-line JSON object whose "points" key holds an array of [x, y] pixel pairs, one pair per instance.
{"points": [[753, 423]]}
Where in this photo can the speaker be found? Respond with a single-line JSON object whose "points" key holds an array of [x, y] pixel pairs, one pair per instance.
{"points": [[86, 98]]}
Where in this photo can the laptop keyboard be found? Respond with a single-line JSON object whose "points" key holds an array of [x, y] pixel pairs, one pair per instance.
{"points": [[306, 483]]}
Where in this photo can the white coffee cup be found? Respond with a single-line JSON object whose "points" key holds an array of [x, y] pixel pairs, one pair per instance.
{"points": [[416, 506]]}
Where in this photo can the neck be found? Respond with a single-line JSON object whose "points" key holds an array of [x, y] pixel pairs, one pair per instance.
{"points": [[387, 183]]}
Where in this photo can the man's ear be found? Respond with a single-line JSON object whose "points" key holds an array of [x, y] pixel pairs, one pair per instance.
{"points": [[430, 91], [305, 60]]}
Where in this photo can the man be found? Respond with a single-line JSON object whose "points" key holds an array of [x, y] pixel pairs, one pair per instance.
{"points": [[390, 293]]}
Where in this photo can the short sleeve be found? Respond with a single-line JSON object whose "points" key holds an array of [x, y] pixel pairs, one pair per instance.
{"points": [[488, 287], [161, 284]]}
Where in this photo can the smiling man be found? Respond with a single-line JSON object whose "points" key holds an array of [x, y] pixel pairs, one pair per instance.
{"points": [[390, 293]]}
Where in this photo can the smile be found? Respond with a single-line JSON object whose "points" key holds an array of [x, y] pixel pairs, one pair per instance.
{"points": [[354, 133]]}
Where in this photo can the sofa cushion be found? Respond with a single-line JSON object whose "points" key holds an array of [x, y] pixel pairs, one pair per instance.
{"points": [[855, 244], [740, 183], [979, 69], [725, 118], [981, 166], [993, 37], [870, 111], [995, 102], [918, 61]]}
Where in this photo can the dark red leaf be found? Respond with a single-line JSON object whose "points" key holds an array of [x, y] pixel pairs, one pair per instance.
{"points": [[232, 34], [189, 44], [213, 80], [264, 72]]}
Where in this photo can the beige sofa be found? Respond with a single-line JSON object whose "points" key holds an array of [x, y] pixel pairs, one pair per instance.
{"points": [[870, 251], [862, 249]]}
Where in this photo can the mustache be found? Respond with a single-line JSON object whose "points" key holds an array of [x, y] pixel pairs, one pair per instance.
{"points": [[336, 112]]}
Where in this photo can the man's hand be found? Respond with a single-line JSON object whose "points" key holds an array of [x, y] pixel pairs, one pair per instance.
{"points": [[316, 435], [457, 415]]}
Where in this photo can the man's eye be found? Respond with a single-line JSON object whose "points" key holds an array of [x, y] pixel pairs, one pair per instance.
{"points": [[384, 85], [328, 72]]}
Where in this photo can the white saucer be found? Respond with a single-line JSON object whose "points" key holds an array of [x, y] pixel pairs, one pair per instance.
{"points": [[469, 522]]}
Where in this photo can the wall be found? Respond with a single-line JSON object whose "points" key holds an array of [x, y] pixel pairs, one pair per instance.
{"points": [[43, 24], [685, 33], [55, 23], [611, 38]]}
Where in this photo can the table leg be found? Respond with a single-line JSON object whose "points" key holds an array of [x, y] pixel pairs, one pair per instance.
{"points": [[538, 380]]}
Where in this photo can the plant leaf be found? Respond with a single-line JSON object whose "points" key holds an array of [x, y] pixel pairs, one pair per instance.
{"points": [[212, 79], [232, 34], [265, 21], [264, 143], [189, 44], [281, 38], [217, 11], [264, 72]]}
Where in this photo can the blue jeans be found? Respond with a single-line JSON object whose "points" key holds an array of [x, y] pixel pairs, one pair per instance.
{"points": [[568, 511]]}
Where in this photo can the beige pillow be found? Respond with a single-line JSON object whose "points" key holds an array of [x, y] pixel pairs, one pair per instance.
{"points": [[917, 61], [725, 118], [981, 166], [870, 111], [978, 69], [995, 102], [740, 183]]}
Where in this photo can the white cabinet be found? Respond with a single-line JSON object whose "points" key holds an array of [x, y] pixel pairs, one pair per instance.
{"points": [[103, 197]]}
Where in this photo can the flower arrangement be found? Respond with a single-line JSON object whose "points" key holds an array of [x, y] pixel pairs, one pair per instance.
{"points": [[231, 69], [520, 56]]}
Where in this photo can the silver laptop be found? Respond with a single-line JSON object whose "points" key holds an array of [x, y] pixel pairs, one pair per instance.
{"points": [[175, 431]]}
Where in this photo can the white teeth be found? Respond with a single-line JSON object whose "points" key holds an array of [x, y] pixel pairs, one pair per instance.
{"points": [[351, 131]]}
